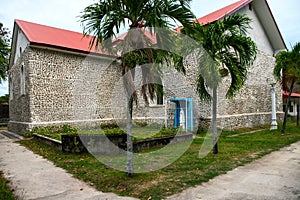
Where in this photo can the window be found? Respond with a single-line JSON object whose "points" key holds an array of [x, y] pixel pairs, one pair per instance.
{"points": [[22, 80], [11, 93], [160, 99], [291, 107], [157, 100]]}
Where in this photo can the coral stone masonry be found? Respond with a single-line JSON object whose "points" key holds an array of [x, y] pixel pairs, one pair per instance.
{"points": [[57, 79]]}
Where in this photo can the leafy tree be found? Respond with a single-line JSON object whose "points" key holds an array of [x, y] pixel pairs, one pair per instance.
{"points": [[4, 99], [231, 51], [288, 64], [105, 19], [4, 51]]}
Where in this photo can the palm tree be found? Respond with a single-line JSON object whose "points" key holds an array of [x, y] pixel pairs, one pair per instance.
{"points": [[231, 50], [288, 64], [104, 21]]}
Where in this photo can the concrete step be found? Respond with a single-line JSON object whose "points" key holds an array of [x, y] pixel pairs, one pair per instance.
{"points": [[9, 135]]}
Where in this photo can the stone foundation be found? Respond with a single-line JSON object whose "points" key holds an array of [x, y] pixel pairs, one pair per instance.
{"points": [[232, 122]]}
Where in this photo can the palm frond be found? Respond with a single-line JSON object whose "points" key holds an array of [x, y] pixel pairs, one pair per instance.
{"points": [[287, 66], [202, 89], [227, 43]]}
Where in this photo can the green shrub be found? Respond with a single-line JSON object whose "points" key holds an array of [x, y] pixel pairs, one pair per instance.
{"points": [[54, 132], [69, 130], [114, 131], [164, 132], [27, 134], [111, 125], [141, 124]]}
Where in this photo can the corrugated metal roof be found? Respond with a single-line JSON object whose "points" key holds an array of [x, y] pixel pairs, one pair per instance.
{"points": [[221, 13], [285, 94], [42, 35]]}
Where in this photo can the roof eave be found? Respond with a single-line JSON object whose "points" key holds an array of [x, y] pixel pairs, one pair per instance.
{"points": [[13, 45], [70, 50], [269, 24]]}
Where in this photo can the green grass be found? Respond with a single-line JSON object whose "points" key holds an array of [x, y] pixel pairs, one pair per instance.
{"points": [[5, 192], [189, 170]]}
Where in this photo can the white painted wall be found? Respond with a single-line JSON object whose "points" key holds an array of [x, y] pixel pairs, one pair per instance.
{"points": [[257, 32], [21, 44]]}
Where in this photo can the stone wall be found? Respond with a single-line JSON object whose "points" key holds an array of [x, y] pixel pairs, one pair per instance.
{"points": [[72, 86], [63, 87], [60, 88], [19, 109]]}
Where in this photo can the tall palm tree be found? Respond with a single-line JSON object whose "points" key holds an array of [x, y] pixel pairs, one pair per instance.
{"points": [[231, 50], [105, 19], [288, 64]]}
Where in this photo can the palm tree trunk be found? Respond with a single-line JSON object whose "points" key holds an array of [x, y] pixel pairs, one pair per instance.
{"points": [[129, 137], [287, 108], [214, 121], [128, 81]]}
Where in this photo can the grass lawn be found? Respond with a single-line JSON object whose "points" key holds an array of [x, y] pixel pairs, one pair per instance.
{"points": [[5, 192], [189, 170]]}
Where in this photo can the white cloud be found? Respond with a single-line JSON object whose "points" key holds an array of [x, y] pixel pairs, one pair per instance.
{"points": [[3, 88]]}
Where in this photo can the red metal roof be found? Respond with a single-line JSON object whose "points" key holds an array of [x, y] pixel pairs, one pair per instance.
{"points": [[285, 94], [147, 33], [42, 35], [221, 13]]}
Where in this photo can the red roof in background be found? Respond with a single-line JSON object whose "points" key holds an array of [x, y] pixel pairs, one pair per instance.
{"points": [[285, 94], [42, 35], [221, 13], [148, 34]]}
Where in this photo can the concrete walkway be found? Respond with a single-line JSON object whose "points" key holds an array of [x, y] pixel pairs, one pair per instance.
{"points": [[33, 177], [275, 176]]}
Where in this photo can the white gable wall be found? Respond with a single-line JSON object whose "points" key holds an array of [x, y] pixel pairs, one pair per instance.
{"points": [[257, 33], [21, 43]]}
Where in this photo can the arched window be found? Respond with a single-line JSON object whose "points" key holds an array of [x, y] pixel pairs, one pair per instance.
{"points": [[158, 98], [11, 91], [22, 80]]}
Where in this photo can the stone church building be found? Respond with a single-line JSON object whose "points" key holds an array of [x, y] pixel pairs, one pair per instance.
{"points": [[55, 78]]}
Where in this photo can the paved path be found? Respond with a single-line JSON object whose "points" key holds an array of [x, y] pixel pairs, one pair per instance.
{"points": [[33, 177], [274, 177]]}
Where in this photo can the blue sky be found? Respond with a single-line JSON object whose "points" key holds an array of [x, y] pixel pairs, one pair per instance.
{"points": [[63, 14]]}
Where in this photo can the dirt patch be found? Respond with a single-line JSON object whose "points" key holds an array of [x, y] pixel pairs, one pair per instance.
{"points": [[147, 184]]}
